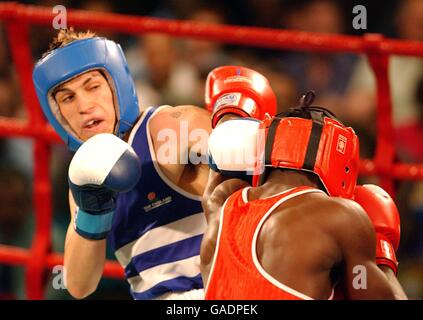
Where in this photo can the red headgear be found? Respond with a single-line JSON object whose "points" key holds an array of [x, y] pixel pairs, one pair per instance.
{"points": [[310, 139]]}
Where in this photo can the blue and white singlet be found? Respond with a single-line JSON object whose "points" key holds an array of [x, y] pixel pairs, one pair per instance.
{"points": [[157, 227]]}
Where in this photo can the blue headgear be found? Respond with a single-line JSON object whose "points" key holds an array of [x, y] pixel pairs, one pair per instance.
{"points": [[80, 56]]}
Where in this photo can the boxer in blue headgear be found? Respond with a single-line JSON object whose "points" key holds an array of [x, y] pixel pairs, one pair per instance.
{"points": [[152, 217], [64, 64]]}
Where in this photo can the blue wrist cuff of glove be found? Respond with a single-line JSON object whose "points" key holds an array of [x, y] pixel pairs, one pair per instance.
{"points": [[93, 226]]}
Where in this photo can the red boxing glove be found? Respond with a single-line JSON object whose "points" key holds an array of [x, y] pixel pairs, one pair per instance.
{"points": [[384, 215], [240, 91]]}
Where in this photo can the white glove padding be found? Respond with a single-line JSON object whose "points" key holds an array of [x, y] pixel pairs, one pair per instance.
{"points": [[232, 146], [105, 160]]}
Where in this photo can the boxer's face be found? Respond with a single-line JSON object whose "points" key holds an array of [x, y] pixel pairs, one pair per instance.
{"points": [[86, 103]]}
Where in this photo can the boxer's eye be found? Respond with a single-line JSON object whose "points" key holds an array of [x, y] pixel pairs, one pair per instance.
{"points": [[67, 98], [93, 87]]}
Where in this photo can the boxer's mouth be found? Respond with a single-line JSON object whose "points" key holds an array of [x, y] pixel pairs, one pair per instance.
{"points": [[92, 123]]}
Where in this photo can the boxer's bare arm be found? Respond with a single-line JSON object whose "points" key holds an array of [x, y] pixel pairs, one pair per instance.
{"points": [[218, 189], [196, 173], [213, 199], [393, 281], [190, 127], [83, 260], [363, 279]]}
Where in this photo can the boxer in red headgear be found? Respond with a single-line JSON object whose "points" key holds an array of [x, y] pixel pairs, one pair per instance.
{"points": [[238, 91], [296, 234]]}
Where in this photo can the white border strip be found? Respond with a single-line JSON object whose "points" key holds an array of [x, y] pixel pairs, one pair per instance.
{"points": [[216, 250], [245, 194], [137, 125], [246, 189]]}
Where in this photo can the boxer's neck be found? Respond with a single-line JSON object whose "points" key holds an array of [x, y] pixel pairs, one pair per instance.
{"points": [[282, 180], [127, 134]]}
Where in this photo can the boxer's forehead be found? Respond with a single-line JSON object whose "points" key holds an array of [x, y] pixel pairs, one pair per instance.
{"points": [[78, 81]]}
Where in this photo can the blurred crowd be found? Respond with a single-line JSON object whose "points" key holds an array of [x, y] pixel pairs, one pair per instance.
{"points": [[172, 71]]}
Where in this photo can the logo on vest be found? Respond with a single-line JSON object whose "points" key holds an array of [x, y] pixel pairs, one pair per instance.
{"points": [[155, 202]]}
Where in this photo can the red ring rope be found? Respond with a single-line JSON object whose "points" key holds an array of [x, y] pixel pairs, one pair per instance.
{"points": [[18, 18]]}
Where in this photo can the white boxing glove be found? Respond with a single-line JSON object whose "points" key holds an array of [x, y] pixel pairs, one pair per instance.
{"points": [[232, 148], [103, 166]]}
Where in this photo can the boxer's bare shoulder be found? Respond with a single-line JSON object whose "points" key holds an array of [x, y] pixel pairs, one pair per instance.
{"points": [[179, 135], [180, 120], [335, 218]]}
